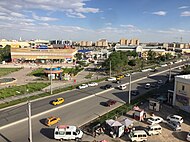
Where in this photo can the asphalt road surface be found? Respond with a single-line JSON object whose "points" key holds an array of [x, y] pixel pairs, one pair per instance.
{"points": [[75, 114]]}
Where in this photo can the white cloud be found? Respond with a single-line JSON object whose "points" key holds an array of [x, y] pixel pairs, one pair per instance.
{"points": [[43, 18], [160, 13], [72, 8], [183, 7], [185, 13], [17, 14], [108, 24]]}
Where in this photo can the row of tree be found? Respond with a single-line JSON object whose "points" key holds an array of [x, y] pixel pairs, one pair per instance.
{"points": [[120, 61]]}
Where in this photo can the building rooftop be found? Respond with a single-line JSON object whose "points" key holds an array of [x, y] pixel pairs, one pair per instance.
{"points": [[184, 76]]}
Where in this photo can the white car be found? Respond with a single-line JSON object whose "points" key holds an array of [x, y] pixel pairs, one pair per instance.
{"points": [[111, 79], [92, 84], [188, 136], [154, 120], [127, 74], [175, 118], [147, 86], [82, 86], [122, 87]]}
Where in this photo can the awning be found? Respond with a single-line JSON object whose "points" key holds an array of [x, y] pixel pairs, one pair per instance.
{"points": [[127, 122], [113, 123]]}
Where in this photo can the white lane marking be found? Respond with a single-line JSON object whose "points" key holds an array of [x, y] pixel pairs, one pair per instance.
{"points": [[85, 98]]}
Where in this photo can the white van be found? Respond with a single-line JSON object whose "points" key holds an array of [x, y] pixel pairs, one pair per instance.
{"points": [[65, 132], [138, 135], [154, 129], [122, 87]]}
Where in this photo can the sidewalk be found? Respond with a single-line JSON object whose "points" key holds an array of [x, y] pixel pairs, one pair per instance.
{"points": [[55, 84]]}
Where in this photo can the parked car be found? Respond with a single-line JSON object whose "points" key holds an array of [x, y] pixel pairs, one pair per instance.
{"points": [[127, 74], [122, 87], [52, 120], [138, 135], [147, 86], [155, 70], [82, 86], [154, 85], [188, 136], [154, 129], [107, 86], [135, 93], [111, 79], [154, 120], [58, 101], [92, 84], [175, 118], [110, 102], [176, 126]]}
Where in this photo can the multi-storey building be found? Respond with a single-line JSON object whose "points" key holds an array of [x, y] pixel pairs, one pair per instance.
{"points": [[85, 43], [134, 42], [181, 94], [102, 43], [124, 41]]}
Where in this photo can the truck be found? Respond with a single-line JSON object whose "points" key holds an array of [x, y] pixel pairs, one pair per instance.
{"points": [[67, 132]]}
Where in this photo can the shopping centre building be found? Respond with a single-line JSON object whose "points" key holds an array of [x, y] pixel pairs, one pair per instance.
{"points": [[42, 55]]}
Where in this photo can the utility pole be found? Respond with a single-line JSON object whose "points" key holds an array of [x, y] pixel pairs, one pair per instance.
{"points": [[130, 89], [170, 73], [110, 68], [51, 80], [29, 122]]}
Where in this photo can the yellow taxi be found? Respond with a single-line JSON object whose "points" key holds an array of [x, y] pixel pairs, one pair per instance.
{"points": [[58, 101], [52, 120], [120, 77]]}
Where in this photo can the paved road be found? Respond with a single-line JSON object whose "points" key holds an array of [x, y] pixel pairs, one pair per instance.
{"points": [[19, 112], [76, 114]]}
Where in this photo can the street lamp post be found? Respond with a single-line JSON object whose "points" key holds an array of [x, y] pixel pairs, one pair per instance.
{"points": [[130, 89], [51, 80], [29, 122], [170, 73], [110, 68]]}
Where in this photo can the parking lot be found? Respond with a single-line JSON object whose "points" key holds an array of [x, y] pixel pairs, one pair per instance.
{"points": [[168, 135]]}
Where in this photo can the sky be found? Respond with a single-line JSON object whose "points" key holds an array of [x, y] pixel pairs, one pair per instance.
{"points": [[146, 20]]}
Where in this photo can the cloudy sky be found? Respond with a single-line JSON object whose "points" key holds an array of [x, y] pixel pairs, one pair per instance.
{"points": [[147, 20]]}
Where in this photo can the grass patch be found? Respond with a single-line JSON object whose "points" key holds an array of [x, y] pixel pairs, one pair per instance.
{"points": [[37, 72], [5, 71], [89, 76], [23, 89]]}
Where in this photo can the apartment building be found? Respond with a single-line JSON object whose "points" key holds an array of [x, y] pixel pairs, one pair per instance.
{"points": [[131, 42], [124, 41], [134, 42], [85, 43], [102, 43], [181, 95]]}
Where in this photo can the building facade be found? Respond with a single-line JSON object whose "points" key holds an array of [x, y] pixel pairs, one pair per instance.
{"points": [[85, 43], [181, 96], [102, 43], [42, 55]]}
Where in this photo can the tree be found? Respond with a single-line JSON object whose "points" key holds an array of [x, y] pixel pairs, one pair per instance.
{"points": [[78, 56], [151, 55], [132, 62], [186, 70]]}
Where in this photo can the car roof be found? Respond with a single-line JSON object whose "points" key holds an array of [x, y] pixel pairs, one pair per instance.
{"points": [[155, 117], [59, 98], [139, 132], [176, 116], [154, 125]]}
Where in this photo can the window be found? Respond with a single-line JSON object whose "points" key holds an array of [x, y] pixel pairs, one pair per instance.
{"points": [[140, 135], [61, 132], [74, 133], [144, 135], [135, 136], [183, 87], [68, 133]]}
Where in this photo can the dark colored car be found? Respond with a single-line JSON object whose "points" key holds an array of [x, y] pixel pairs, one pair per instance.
{"points": [[117, 81], [155, 70], [110, 102], [135, 93], [107, 86]]}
